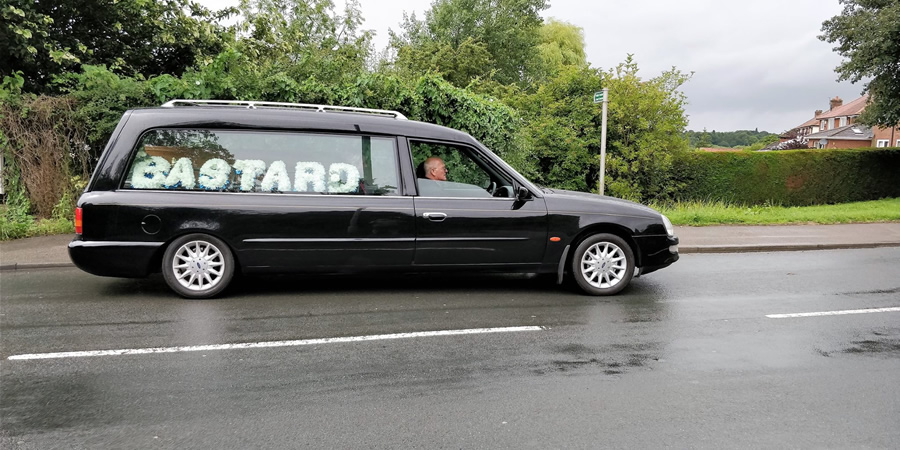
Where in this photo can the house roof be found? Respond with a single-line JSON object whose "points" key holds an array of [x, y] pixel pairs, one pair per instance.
{"points": [[853, 132], [789, 133], [810, 122], [850, 109]]}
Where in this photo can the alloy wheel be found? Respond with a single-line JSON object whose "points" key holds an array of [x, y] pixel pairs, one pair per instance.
{"points": [[198, 265], [603, 265]]}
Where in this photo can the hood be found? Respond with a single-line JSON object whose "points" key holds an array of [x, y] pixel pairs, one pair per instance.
{"points": [[562, 200]]}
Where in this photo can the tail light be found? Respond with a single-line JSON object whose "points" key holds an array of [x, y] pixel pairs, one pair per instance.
{"points": [[77, 220]]}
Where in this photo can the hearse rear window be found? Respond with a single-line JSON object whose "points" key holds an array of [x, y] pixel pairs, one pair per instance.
{"points": [[244, 161]]}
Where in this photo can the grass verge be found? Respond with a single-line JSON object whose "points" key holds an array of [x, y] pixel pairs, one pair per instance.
{"points": [[15, 229], [719, 213]]}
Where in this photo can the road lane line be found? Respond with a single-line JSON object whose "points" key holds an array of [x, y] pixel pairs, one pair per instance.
{"points": [[833, 313], [269, 344]]}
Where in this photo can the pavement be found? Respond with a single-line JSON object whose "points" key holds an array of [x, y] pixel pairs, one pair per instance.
{"points": [[52, 251]]}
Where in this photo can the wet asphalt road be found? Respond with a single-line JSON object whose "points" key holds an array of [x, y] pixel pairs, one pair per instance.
{"points": [[684, 358]]}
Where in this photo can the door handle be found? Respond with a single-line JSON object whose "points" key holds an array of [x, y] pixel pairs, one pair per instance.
{"points": [[435, 216]]}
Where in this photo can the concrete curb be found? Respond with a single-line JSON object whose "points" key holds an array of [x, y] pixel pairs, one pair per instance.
{"points": [[29, 266], [755, 248]]}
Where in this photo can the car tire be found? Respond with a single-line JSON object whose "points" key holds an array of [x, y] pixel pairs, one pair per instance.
{"points": [[198, 266], [603, 264]]}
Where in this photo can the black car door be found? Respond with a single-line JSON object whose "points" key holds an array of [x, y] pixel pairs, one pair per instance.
{"points": [[472, 217]]}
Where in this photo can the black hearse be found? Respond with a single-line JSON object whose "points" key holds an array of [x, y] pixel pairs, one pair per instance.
{"points": [[201, 189]]}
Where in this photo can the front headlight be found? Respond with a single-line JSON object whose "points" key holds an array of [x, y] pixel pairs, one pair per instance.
{"points": [[669, 228]]}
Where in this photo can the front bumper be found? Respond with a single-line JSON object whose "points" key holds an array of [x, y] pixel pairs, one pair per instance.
{"points": [[115, 258], [662, 252]]}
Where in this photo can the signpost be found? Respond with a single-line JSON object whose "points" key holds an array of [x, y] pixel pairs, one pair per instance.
{"points": [[602, 97]]}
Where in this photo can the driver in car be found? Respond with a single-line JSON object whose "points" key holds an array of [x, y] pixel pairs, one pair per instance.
{"points": [[435, 169]]}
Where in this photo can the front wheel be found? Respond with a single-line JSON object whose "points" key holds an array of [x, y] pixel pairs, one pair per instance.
{"points": [[198, 266], [603, 264]]}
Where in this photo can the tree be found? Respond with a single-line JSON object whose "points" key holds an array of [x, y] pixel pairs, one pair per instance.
{"points": [[867, 34], [705, 140], [304, 38], [458, 64], [732, 139], [48, 38], [506, 30], [562, 128], [561, 44], [646, 123]]}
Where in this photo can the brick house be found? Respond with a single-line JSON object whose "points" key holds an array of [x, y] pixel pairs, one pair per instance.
{"points": [[886, 137], [837, 128], [841, 115]]}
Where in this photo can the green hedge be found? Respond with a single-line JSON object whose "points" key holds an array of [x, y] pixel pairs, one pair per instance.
{"points": [[788, 178]]}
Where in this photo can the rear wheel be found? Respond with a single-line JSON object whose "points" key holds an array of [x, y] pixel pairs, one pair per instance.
{"points": [[198, 266], [603, 264]]}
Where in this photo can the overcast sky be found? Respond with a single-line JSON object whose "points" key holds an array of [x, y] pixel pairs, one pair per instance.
{"points": [[756, 64]]}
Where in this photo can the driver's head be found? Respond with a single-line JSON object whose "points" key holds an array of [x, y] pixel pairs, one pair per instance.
{"points": [[435, 169]]}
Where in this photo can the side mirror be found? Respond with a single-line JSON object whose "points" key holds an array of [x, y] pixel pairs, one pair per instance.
{"points": [[522, 194]]}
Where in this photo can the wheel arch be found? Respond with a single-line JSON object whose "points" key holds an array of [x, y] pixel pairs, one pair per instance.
{"points": [[156, 261], [609, 228]]}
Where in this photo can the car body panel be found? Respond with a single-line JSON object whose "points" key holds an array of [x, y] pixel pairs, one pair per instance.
{"points": [[481, 231]]}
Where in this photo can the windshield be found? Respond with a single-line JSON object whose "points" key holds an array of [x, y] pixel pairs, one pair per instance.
{"points": [[528, 184]]}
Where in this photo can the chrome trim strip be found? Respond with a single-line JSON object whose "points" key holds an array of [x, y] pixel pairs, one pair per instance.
{"points": [[115, 244], [506, 199], [524, 211], [301, 208], [591, 213], [464, 239], [329, 240]]}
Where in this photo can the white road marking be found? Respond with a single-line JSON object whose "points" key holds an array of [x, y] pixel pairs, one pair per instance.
{"points": [[199, 348], [833, 313]]}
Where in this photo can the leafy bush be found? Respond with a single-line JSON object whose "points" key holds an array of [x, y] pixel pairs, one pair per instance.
{"points": [[486, 119], [14, 215], [788, 178], [46, 150]]}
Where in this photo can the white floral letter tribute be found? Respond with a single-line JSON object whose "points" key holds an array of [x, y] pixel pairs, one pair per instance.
{"points": [[181, 176], [309, 177], [276, 178], [154, 172], [343, 177], [214, 174], [249, 170], [149, 172]]}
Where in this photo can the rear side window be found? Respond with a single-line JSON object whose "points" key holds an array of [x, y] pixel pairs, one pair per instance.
{"points": [[247, 161]]}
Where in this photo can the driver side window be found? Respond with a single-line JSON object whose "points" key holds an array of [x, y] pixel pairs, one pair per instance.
{"points": [[444, 170]]}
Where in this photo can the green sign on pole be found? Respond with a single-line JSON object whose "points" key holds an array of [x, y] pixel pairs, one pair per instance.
{"points": [[598, 97]]}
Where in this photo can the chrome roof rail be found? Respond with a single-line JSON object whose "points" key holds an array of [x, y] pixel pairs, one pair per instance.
{"points": [[303, 106]]}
